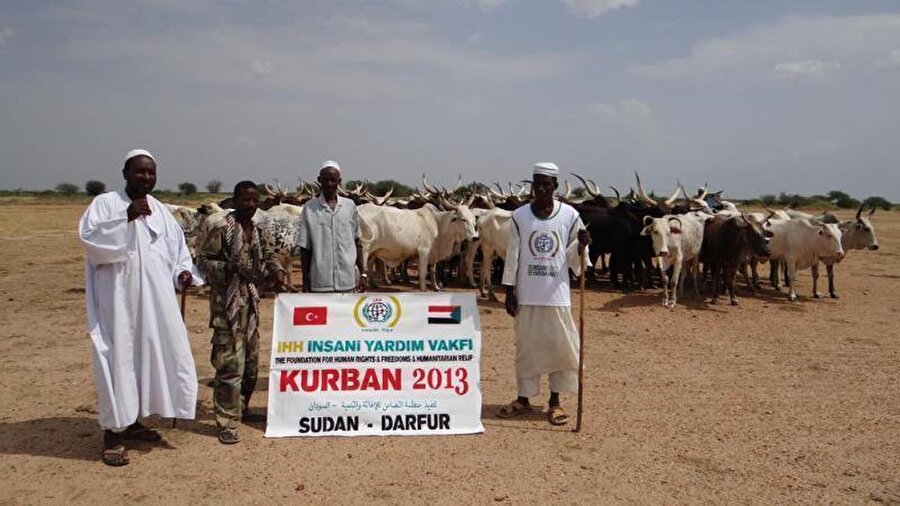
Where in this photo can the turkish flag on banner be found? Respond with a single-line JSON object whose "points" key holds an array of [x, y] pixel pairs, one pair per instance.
{"points": [[310, 315]]}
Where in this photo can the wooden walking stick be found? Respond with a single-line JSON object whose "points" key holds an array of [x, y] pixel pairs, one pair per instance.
{"points": [[581, 259]]}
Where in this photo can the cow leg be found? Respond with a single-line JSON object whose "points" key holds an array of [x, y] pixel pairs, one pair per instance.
{"points": [[471, 249], [745, 268], [716, 283], [787, 281], [695, 276], [830, 269], [730, 278], [754, 274], [487, 278], [814, 270], [665, 282], [423, 269], [790, 274], [773, 274], [675, 282]]}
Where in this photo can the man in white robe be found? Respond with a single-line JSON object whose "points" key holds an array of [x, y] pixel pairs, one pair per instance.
{"points": [[136, 257], [546, 240]]}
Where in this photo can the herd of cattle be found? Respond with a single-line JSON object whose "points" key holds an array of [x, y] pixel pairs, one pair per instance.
{"points": [[633, 237]]}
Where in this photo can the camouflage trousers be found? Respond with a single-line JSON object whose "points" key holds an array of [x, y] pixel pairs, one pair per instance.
{"points": [[236, 359]]}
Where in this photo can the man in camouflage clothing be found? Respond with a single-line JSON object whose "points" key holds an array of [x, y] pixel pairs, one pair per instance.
{"points": [[236, 260]]}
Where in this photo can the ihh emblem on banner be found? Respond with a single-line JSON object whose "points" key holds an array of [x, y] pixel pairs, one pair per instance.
{"points": [[377, 313]]}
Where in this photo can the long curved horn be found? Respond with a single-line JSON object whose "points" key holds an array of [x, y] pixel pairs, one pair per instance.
{"points": [[495, 193], [269, 189], [618, 195], [470, 200], [427, 186], [587, 186], [872, 211], [488, 201], [458, 185], [568, 193], [641, 194], [859, 211], [671, 200], [703, 191]]}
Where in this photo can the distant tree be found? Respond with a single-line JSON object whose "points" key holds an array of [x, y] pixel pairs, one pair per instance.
{"points": [[842, 200], [878, 202], [768, 199], [187, 188], [67, 188], [94, 188], [400, 189], [213, 186]]}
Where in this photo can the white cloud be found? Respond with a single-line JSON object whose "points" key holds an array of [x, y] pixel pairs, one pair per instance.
{"points": [[805, 70], [594, 8], [629, 110], [247, 142], [262, 68], [793, 46], [6, 33], [487, 5], [891, 60]]}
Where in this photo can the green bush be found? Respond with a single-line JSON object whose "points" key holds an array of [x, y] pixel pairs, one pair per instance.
{"points": [[94, 188], [187, 188], [67, 188]]}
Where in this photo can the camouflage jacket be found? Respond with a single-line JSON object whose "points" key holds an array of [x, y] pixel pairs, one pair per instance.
{"points": [[213, 262]]}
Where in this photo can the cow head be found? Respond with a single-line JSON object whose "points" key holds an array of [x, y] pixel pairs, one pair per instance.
{"points": [[859, 234], [828, 239], [660, 231], [463, 223], [755, 237]]}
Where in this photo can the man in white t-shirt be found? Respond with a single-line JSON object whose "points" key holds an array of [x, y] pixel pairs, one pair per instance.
{"points": [[546, 240]]}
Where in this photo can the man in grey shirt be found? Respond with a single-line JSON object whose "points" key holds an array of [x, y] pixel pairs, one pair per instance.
{"points": [[329, 239]]}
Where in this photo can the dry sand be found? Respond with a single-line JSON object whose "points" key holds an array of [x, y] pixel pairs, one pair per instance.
{"points": [[769, 402]]}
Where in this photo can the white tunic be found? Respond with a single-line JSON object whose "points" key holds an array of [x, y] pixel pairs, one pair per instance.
{"points": [[142, 357], [539, 254]]}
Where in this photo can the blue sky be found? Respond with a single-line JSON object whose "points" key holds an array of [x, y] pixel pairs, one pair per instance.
{"points": [[755, 97]]}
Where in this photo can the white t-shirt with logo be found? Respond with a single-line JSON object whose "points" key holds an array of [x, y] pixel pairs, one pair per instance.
{"points": [[540, 253]]}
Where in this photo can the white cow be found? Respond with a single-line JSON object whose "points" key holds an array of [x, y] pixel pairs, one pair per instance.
{"points": [[281, 225], [428, 234], [800, 243], [857, 233], [493, 234], [188, 218], [676, 241]]}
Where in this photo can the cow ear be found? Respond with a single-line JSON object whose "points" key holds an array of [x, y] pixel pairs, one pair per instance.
{"points": [[647, 220], [645, 231], [674, 230]]}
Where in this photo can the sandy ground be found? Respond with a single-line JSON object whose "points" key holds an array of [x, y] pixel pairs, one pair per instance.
{"points": [[770, 402]]}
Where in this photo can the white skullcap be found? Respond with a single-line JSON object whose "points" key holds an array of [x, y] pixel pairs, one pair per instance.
{"points": [[330, 163], [546, 168], [138, 152]]}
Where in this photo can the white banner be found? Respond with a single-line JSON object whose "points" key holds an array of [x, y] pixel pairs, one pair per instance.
{"points": [[375, 364]]}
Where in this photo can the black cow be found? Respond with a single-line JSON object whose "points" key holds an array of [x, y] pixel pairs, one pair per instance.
{"points": [[727, 240]]}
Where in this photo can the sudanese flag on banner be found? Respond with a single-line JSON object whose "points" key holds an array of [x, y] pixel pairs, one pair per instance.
{"points": [[310, 315]]}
